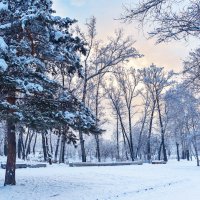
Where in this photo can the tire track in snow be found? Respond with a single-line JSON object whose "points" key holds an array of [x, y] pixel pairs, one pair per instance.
{"points": [[146, 189]]}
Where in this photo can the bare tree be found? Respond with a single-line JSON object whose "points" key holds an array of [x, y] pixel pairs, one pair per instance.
{"points": [[102, 58], [95, 101], [128, 81], [114, 94], [143, 121], [172, 19], [184, 119], [192, 70], [156, 81]]}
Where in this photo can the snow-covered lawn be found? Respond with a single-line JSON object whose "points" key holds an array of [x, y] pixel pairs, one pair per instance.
{"points": [[172, 181]]}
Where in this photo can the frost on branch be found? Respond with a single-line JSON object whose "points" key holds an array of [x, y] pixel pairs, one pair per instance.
{"points": [[3, 65], [173, 20]]}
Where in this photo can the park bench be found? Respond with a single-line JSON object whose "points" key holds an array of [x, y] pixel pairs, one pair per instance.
{"points": [[37, 165], [158, 162], [20, 166], [89, 164]]}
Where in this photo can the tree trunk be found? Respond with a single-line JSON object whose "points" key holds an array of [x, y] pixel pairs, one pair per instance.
{"points": [[159, 151], [57, 146], [51, 146], [97, 114], [125, 146], [196, 149], [44, 146], [164, 149], [149, 133], [23, 147], [49, 155], [177, 151], [183, 155], [11, 157], [28, 149], [130, 134], [27, 137], [5, 149], [62, 148], [34, 145], [83, 154], [196, 154], [118, 157], [140, 137], [19, 146], [124, 133], [82, 142], [188, 155], [162, 131], [11, 141], [98, 147]]}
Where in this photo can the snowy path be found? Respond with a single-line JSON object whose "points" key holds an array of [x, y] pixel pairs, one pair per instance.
{"points": [[173, 181]]}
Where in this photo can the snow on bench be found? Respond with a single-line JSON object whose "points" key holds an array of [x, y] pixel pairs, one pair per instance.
{"points": [[20, 166], [88, 164], [158, 162]]}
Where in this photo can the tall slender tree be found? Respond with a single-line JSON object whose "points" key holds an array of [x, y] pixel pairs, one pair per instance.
{"points": [[127, 81], [156, 81]]}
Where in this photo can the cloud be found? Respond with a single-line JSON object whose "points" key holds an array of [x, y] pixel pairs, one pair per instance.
{"points": [[78, 2]]}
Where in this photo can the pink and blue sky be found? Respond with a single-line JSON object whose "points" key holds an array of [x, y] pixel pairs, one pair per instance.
{"points": [[169, 55]]}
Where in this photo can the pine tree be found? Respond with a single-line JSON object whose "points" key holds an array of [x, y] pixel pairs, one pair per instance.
{"points": [[33, 44]]}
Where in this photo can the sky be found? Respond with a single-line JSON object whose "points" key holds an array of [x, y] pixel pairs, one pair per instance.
{"points": [[168, 55]]}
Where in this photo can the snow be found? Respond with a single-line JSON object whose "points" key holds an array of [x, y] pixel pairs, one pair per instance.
{"points": [[172, 181], [58, 35], [3, 45], [26, 18], [3, 65], [29, 86], [19, 115], [34, 87], [3, 6], [5, 26], [69, 116]]}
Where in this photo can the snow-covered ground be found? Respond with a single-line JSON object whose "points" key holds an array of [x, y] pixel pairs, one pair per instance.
{"points": [[172, 181]]}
